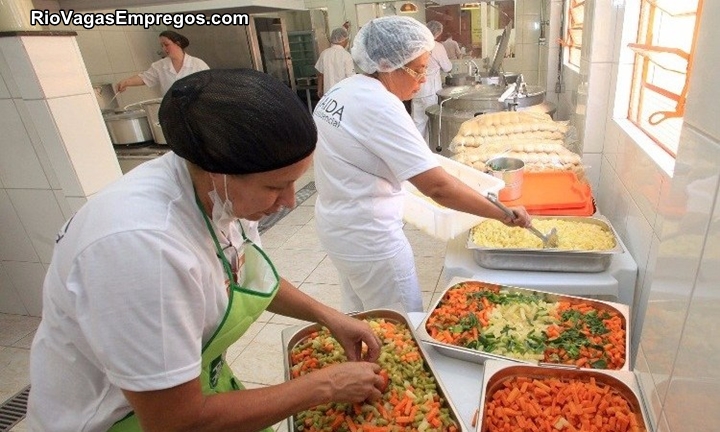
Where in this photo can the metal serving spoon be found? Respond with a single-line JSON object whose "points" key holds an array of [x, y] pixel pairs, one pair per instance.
{"points": [[550, 240]]}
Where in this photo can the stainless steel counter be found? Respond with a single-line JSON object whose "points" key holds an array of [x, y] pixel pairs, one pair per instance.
{"points": [[131, 156]]}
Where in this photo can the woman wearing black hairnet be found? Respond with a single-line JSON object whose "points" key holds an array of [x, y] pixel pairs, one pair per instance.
{"points": [[154, 278], [367, 146], [164, 72]]}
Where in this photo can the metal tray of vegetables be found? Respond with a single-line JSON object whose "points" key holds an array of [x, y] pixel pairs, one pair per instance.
{"points": [[476, 321], [414, 398], [523, 398], [586, 245]]}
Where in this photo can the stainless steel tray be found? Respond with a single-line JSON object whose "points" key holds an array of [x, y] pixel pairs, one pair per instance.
{"points": [[624, 382], [293, 335], [551, 260], [475, 356]]}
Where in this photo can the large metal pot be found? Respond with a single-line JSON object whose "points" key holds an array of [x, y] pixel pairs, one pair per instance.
{"points": [[128, 127], [152, 107], [461, 103]]}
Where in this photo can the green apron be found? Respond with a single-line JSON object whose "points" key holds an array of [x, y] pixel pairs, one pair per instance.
{"points": [[250, 291]]}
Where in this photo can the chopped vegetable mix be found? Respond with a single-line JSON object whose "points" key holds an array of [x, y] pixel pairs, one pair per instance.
{"points": [[410, 401], [552, 404], [527, 327]]}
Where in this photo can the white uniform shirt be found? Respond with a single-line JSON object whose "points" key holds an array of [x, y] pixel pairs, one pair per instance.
{"points": [[162, 72], [433, 83], [336, 64], [452, 48], [367, 145], [133, 292]]}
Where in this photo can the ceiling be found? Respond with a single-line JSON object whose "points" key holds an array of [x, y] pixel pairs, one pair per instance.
{"points": [[170, 6]]}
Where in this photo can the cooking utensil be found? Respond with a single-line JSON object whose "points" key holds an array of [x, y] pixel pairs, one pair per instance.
{"points": [[129, 127], [550, 240]]}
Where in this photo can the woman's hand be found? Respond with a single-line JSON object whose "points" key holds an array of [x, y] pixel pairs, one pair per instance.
{"points": [[122, 85], [351, 382], [522, 218], [352, 333]]}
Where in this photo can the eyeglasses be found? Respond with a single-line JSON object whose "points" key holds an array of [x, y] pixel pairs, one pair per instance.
{"points": [[417, 75]]}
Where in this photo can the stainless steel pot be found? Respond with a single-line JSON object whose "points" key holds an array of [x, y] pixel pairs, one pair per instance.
{"points": [[152, 108], [129, 127]]}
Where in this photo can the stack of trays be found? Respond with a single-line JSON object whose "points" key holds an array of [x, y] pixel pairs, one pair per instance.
{"points": [[553, 193]]}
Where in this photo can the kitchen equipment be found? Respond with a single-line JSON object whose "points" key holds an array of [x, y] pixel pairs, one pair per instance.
{"points": [[548, 260], [623, 383], [106, 96], [550, 240], [480, 355], [128, 127], [461, 103], [152, 107], [293, 336], [441, 222], [510, 170]]}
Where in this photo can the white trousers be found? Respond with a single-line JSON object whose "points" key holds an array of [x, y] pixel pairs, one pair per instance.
{"points": [[380, 284], [419, 105]]}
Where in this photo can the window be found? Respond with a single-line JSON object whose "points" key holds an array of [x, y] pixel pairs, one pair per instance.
{"points": [[574, 32], [663, 58]]}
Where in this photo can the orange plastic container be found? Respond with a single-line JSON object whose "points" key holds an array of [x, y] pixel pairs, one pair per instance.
{"points": [[555, 193]]}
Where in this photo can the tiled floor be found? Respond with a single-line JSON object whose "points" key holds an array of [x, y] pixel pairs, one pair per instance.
{"points": [[257, 357]]}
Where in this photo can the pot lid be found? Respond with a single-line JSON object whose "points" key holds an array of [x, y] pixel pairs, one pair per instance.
{"points": [[481, 92]]}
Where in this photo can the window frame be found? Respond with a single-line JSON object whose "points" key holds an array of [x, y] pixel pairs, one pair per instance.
{"points": [[571, 47], [648, 58]]}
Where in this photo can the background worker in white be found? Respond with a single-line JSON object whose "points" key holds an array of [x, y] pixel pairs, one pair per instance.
{"points": [[164, 72], [153, 279], [427, 95], [334, 63], [367, 146], [452, 48]]}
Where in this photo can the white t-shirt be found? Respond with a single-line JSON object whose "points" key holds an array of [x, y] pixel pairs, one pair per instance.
{"points": [[452, 48], [336, 64], [438, 60], [133, 292], [367, 146], [162, 72]]}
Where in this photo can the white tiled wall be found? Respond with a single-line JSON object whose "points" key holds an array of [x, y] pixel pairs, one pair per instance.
{"points": [[668, 214], [112, 53], [55, 152]]}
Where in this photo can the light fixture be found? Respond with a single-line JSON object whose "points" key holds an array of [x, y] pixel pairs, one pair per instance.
{"points": [[408, 7], [467, 6]]}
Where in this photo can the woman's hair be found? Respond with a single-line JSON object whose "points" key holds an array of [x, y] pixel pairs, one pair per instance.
{"points": [[236, 121], [176, 38], [435, 27], [338, 35], [387, 43]]}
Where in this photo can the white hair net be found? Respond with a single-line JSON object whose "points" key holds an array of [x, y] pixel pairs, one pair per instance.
{"points": [[338, 35], [435, 28], [387, 43]]}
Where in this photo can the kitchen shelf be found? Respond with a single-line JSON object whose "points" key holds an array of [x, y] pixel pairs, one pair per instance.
{"points": [[303, 52]]}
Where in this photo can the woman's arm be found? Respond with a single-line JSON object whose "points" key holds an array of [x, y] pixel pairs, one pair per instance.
{"points": [[185, 408], [350, 332], [447, 190], [129, 82]]}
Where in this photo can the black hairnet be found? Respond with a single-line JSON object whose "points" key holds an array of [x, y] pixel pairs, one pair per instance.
{"points": [[236, 121], [176, 38]]}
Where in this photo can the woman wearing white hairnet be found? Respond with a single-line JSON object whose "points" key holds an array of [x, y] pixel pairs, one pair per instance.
{"points": [[427, 95], [334, 63], [367, 146]]}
